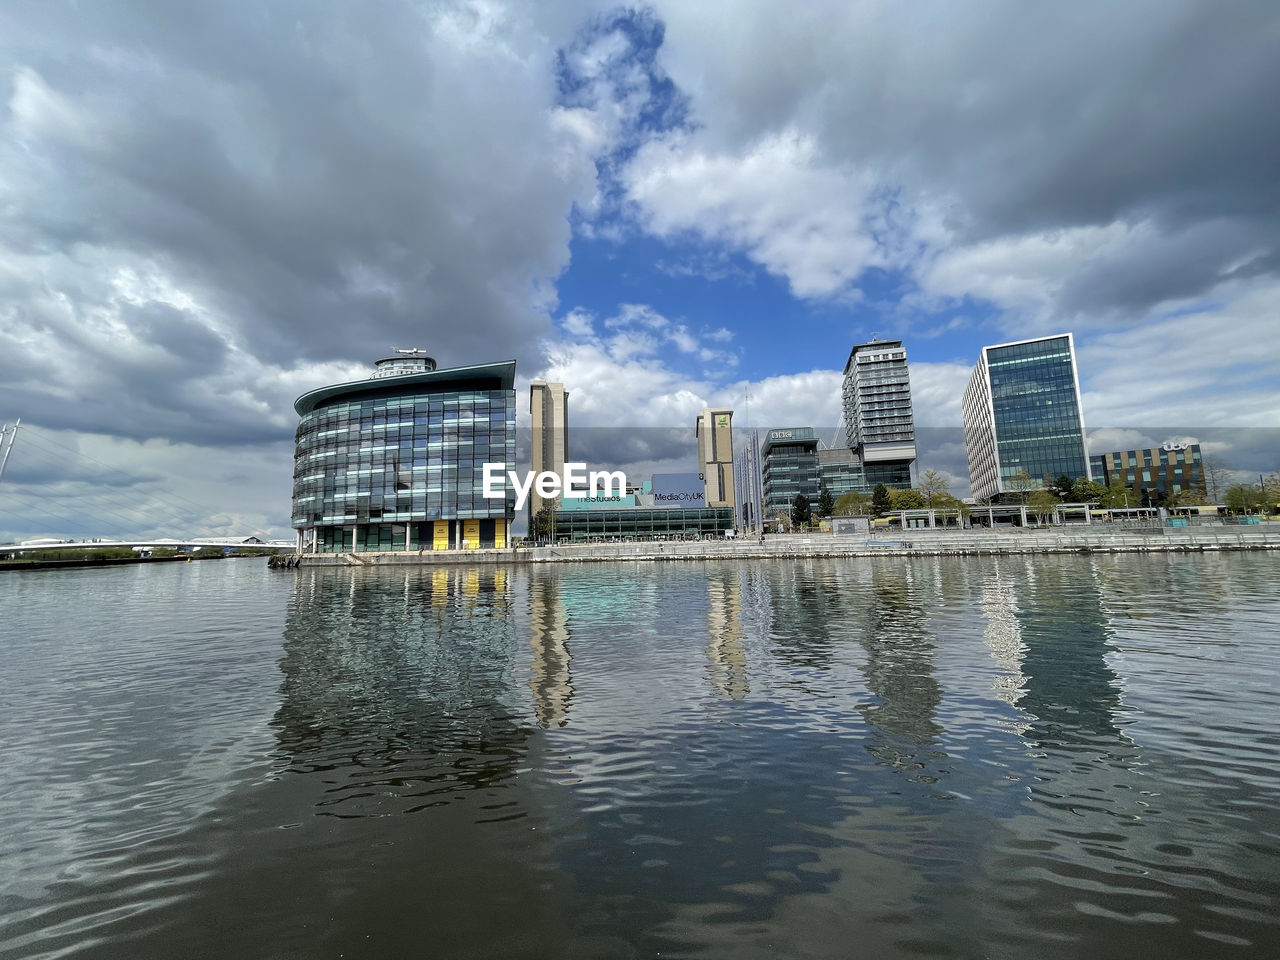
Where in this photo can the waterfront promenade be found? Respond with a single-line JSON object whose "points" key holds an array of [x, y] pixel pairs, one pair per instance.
{"points": [[968, 542]]}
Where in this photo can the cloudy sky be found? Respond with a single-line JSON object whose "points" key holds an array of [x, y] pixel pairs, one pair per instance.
{"points": [[208, 209]]}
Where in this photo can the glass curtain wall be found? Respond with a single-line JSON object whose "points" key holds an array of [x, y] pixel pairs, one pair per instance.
{"points": [[1037, 411], [389, 467]]}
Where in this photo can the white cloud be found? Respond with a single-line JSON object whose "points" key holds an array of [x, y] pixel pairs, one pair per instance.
{"points": [[578, 323], [777, 202], [1026, 272], [1217, 366]]}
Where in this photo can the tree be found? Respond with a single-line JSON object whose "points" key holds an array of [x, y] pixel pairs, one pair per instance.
{"points": [[826, 503], [1042, 503], [852, 504], [1061, 487], [906, 500], [945, 501], [1244, 498], [1087, 491], [1117, 498], [1216, 478], [932, 484], [544, 521], [1021, 483], [1185, 498], [1271, 490], [800, 510], [880, 501]]}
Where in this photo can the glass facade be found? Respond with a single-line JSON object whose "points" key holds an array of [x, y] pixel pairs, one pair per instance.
{"points": [[397, 463], [840, 471], [642, 523], [1037, 412], [1022, 414], [896, 475], [790, 467]]}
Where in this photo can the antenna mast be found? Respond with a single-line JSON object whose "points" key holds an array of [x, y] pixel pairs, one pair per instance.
{"points": [[12, 433]]}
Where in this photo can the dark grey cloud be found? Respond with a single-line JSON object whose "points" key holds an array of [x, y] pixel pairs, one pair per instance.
{"points": [[318, 184], [1006, 118]]}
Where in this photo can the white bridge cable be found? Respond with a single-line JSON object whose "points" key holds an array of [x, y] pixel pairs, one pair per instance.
{"points": [[131, 517], [72, 524], [102, 503], [114, 470], [35, 505]]}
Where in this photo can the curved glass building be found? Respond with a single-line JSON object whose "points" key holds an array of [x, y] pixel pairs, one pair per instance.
{"points": [[395, 462]]}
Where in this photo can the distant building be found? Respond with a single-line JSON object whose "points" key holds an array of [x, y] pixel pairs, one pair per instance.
{"points": [[1152, 475], [748, 489], [878, 419], [549, 407], [841, 471], [670, 506], [789, 459], [1022, 413], [395, 461], [714, 432]]}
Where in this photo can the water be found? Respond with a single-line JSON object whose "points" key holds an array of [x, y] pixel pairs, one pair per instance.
{"points": [[1005, 757]]}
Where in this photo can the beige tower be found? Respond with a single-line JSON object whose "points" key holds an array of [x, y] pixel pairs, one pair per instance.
{"points": [[715, 455], [549, 404]]}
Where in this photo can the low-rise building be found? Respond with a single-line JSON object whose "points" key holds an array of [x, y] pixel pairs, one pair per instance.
{"points": [[1154, 474], [789, 458]]}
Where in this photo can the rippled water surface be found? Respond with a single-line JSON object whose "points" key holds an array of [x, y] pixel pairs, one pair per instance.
{"points": [[1001, 757]]}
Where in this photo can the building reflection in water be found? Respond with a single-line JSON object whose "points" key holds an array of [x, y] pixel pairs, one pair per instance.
{"points": [[550, 673], [1003, 634], [403, 697], [1070, 690], [899, 673], [726, 656]]}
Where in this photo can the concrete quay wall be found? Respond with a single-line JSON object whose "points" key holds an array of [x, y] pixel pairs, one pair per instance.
{"points": [[908, 543]]}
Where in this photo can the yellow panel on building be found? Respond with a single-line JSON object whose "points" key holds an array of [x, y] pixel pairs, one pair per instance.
{"points": [[440, 535], [471, 534], [499, 533]]}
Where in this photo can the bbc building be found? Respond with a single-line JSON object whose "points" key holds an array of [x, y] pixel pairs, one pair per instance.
{"points": [[395, 462]]}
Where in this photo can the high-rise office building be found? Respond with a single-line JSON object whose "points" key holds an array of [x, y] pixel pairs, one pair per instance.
{"points": [[878, 421], [750, 495], [549, 406], [1022, 415], [790, 467], [714, 431], [395, 461]]}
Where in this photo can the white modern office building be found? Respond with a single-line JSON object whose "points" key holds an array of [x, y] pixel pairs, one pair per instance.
{"points": [[878, 420], [1022, 415]]}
